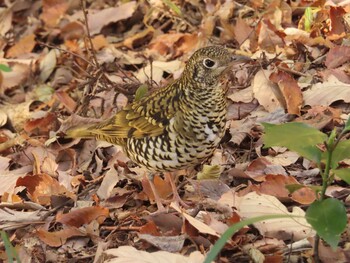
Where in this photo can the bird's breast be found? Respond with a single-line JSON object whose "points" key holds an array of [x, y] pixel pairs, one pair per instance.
{"points": [[191, 136]]}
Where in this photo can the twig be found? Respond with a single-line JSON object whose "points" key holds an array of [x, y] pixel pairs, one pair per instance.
{"points": [[288, 70], [66, 51], [91, 49]]}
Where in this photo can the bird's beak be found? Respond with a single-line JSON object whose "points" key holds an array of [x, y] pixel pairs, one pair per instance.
{"points": [[236, 59]]}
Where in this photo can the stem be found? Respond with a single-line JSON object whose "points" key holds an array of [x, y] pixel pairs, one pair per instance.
{"points": [[316, 243], [325, 176]]}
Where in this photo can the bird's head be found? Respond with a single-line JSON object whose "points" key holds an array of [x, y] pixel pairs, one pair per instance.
{"points": [[207, 64]]}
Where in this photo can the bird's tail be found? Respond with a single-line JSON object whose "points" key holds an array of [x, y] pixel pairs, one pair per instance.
{"points": [[85, 132]]}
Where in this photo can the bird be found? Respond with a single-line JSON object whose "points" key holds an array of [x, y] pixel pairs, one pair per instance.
{"points": [[176, 127]]}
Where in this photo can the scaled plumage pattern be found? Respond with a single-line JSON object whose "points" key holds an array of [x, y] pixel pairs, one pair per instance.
{"points": [[179, 125]]}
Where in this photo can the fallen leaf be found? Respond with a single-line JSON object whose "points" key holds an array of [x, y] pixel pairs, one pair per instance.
{"points": [[48, 64], [337, 56], [8, 179], [98, 19], [284, 159], [72, 30], [6, 15], [66, 100], [296, 227], [200, 226], [269, 36], [327, 92], [290, 90], [41, 187], [42, 125], [337, 28], [58, 238], [109, 181], [53, 10], [128, 254], [266, 92], [165, 243], [23, 46], [211, 188], [156, 70], [19, 74], [83, 216]]}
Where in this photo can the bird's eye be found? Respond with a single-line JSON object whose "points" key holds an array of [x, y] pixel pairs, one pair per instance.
{"points": [[208, 63]]}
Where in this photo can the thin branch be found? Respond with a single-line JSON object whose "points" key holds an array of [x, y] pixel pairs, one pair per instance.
{"points": [[66, 51], [91, 49]]}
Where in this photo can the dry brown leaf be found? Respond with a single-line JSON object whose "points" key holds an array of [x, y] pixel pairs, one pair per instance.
{"points": [[243, 95], [337, 56], [41, 187], [128, 254], [19, 74], [175, 44], [290, 90], [42, 125], [99, 42], [327, 92], [274, 185], [8, 179], [253, 205], [6, 20], [266, 92], [269, 37], [53, 10], [284, 159], [165, 243], [337, 28], [72, 30], [200, 226], [242, 31], [98, 19], [163, 187], [23, 46], [58, 238], [12, 216], [48, 64], [83, 216], [211, 188], [66, 100], [304, 196], [156, 71], [110, 179], [260, 167], [130, 42]]}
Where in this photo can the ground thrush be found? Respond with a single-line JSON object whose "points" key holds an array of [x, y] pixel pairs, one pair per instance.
{"points": [[176, 127]]}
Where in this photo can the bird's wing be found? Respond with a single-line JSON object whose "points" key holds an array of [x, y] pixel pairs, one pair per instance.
{"points": [[148, 117]]}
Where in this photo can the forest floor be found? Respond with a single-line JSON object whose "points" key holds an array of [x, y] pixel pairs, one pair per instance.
{"points": [[85, 201]]}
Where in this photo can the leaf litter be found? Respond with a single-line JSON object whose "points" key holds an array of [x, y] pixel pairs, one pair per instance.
{"points": [[62, 195]]}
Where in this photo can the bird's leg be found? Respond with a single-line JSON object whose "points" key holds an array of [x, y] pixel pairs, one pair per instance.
{"points": [[176, 198], [161, 208]]}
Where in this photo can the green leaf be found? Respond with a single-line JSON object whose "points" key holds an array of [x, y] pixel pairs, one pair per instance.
{"points": [[297, 137], [173, 7], [343, 174], [233, 229], [341, 152], [308, 19], [141, 92], [10, 250], [5, 68], [328, 218], [347, 125]]}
